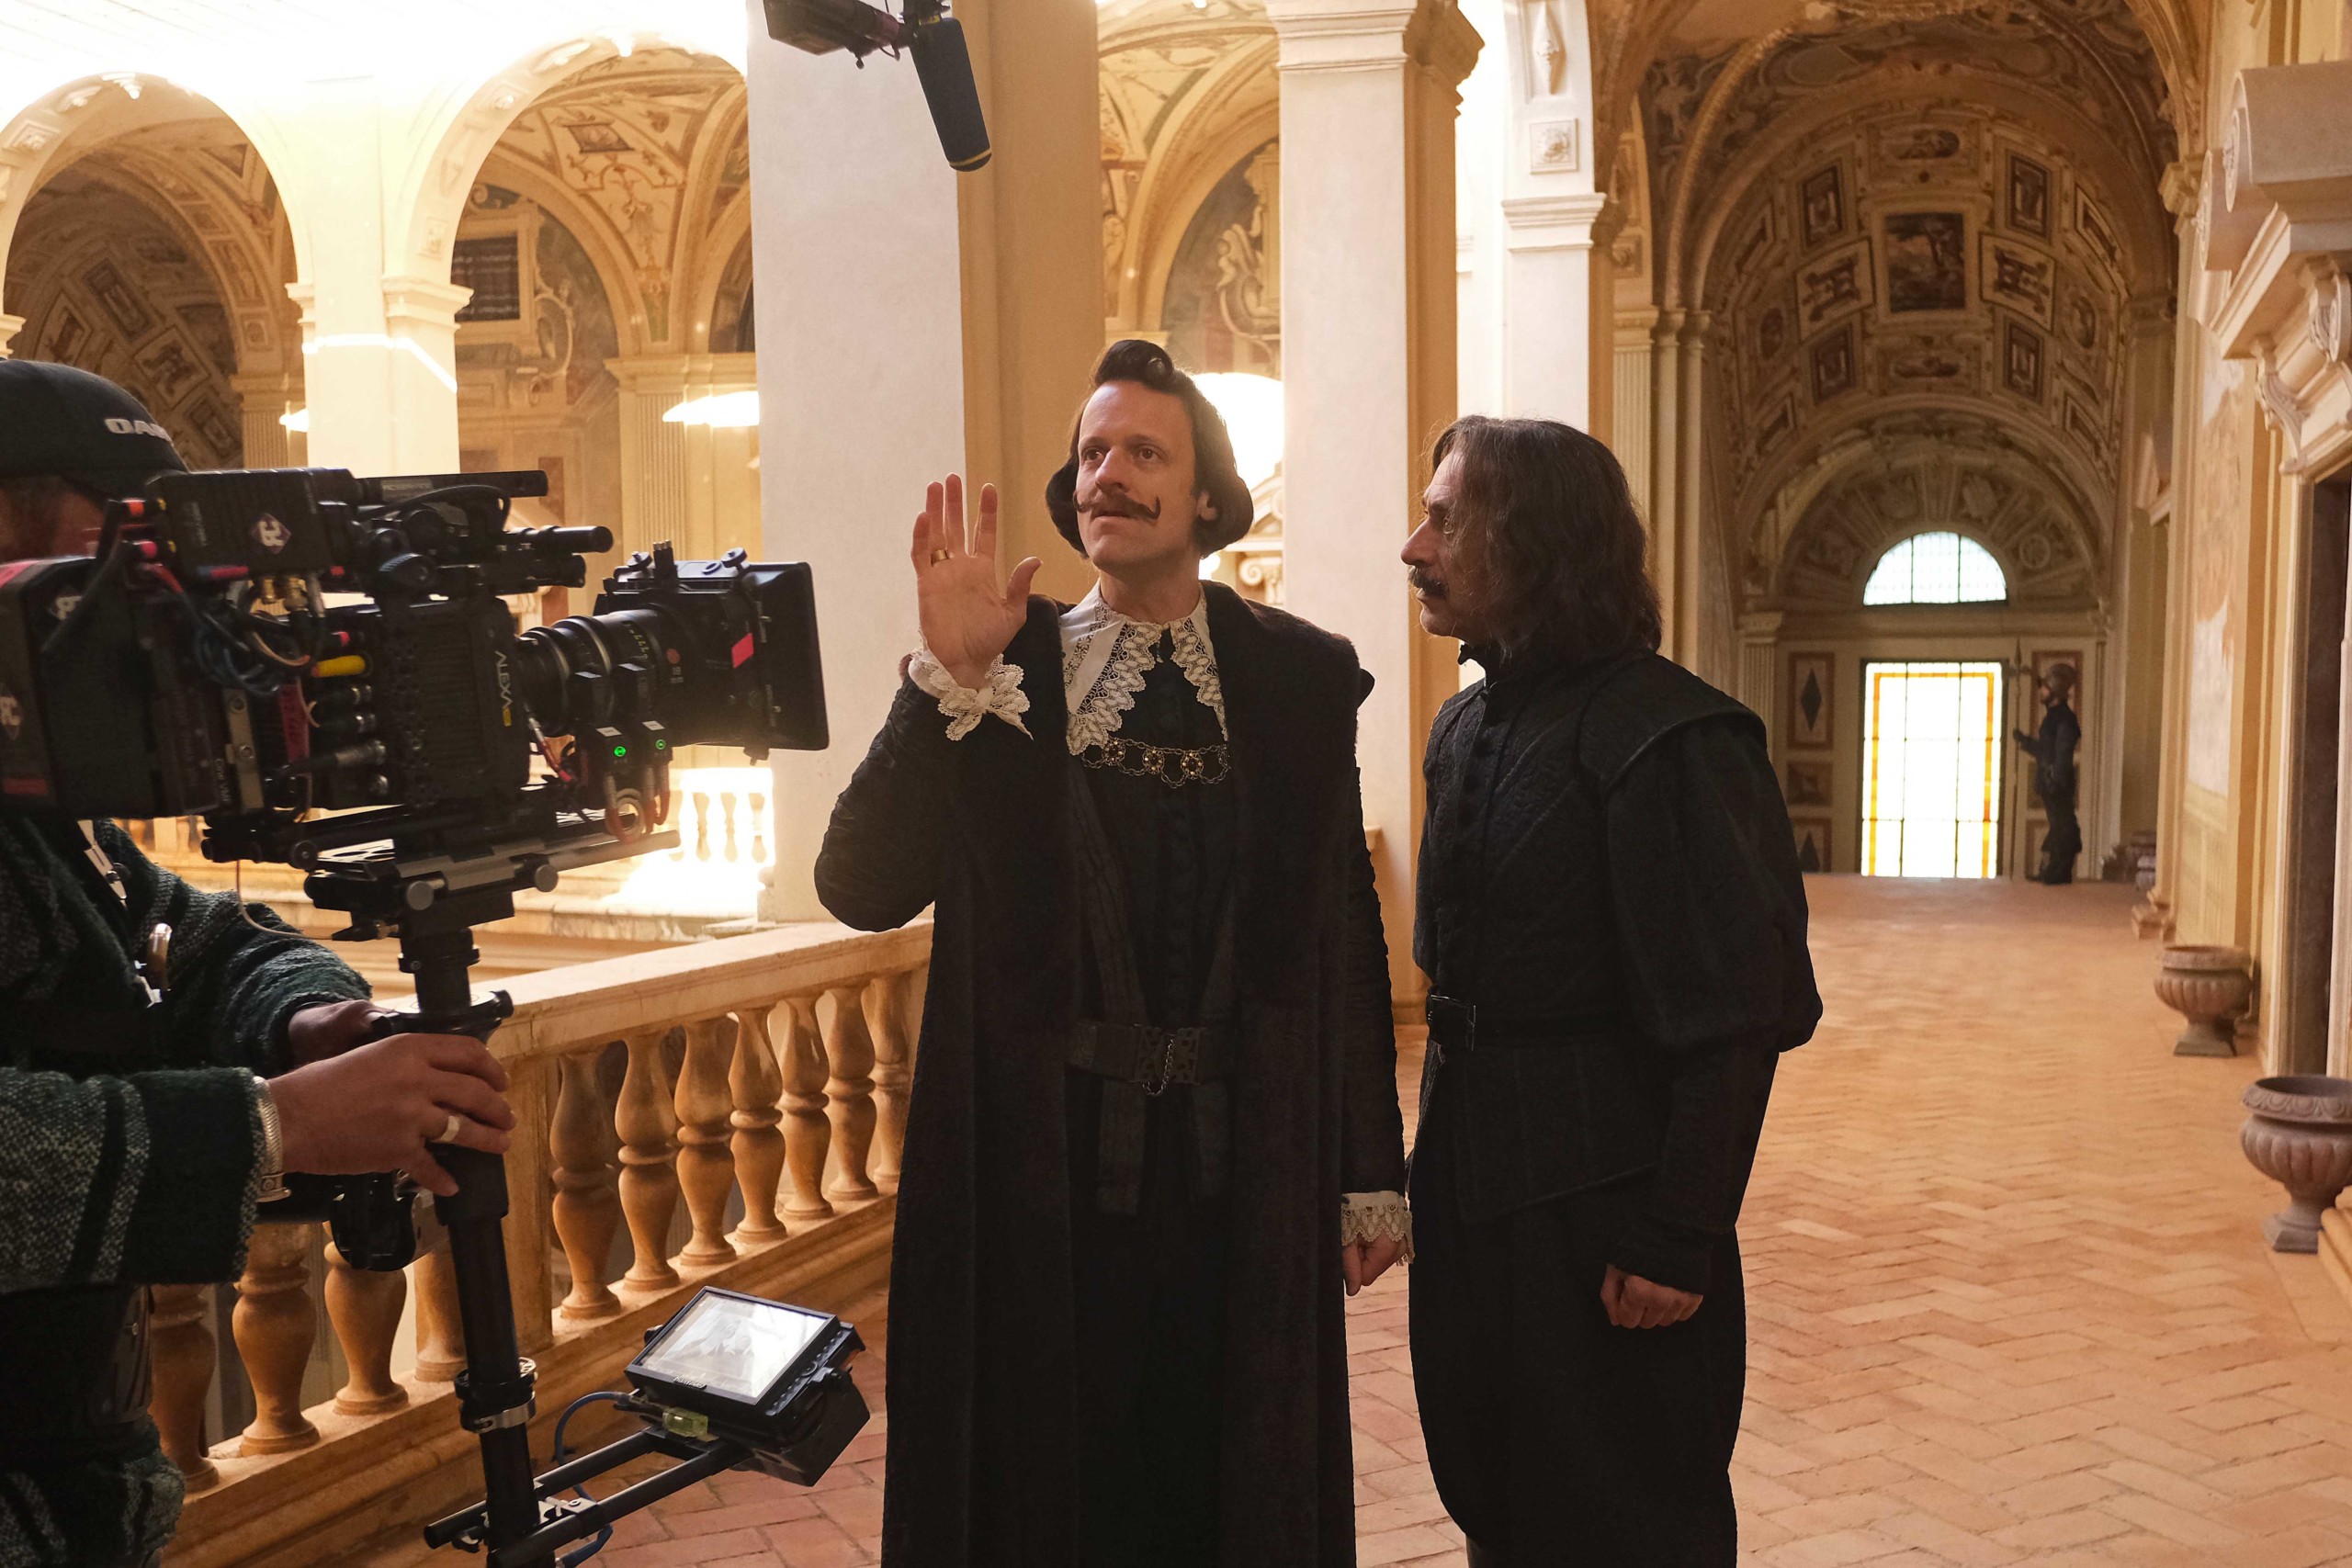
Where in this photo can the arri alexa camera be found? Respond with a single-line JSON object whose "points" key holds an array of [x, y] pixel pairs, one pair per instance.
{"points": [[325, 668]]}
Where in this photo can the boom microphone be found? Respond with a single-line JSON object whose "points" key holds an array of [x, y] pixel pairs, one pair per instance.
{"points": [[943, 63]]}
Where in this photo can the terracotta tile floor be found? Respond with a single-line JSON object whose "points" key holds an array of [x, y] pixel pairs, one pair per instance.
{"points": [[2009, 1296]]}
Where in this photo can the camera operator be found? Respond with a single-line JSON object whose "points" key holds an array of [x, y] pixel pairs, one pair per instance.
{"points": [[165, 1054]]}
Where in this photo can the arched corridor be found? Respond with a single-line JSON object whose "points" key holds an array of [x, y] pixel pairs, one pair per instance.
{"points": [[2009, 1294]]}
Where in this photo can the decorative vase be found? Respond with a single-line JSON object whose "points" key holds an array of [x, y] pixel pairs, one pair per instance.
{"points": [[2211, 987], [2301, 1136]]}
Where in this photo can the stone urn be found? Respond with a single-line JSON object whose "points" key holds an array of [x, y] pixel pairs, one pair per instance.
{"points": [[2211, 987], [2301, 1136]]}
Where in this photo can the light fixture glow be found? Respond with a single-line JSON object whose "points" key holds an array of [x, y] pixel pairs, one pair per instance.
{"points": [[1252, 406], [298, 421], [721, 411]]}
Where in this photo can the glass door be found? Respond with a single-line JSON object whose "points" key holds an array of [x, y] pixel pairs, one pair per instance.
{"points": [[1932, 768]]}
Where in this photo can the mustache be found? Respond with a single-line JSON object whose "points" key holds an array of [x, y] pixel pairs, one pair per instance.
{"points": [[1428, 587], [1113, 504]]}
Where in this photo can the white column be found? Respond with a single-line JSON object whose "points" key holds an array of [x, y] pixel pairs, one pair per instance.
{"points": [[854, 252], [1548, 311], [9, 327], [1759, 634], [380, 367], [1690, 498], [690, 484], [1629, 430], [1666, 468], [263, 400], [1368, 359]]}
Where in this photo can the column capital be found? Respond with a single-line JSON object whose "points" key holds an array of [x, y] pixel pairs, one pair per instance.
{"points": [[1357, 34], [640, 372], [1561, 222], [424, 300]]}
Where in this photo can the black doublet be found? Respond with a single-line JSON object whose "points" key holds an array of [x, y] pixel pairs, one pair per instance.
{"points": [[998, 1339], [1608, 876]]}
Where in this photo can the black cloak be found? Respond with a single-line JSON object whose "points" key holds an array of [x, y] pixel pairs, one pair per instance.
{"points": [[982, 1465]]}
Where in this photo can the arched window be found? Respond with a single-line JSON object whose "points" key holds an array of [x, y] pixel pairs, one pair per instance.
{"points": [[1936, 568]]}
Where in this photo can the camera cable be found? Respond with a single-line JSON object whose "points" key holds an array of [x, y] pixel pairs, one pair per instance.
{"points": [[627, 1402]]}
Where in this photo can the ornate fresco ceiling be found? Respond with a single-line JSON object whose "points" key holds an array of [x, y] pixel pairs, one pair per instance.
{"points": [[1948, 223], [107, 282], [647, 161]]}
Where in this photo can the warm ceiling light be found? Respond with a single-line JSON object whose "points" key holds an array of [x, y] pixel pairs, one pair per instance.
{"points": [[1252, 406], [298, 421], [721, 411]]}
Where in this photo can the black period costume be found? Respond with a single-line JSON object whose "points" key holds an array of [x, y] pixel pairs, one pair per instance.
{"points": [[2054, 781], [1614, 928], [1155, 1086]]}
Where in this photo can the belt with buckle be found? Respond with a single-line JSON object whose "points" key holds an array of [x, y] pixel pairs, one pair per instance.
{"points": [[1458, 1028], [1149, 1056]]}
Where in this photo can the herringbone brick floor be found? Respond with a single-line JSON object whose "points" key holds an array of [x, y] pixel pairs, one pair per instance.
{"points": [[2011, 1302]]}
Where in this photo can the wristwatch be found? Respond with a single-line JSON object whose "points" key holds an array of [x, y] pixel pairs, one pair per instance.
{"points": [[272, 1144]]}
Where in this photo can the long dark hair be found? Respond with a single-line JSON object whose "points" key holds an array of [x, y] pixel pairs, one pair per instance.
{"points": [[1214, 471], [1550, 523]]}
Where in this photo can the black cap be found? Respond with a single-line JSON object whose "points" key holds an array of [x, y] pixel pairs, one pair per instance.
{"points": [[57, 420]]}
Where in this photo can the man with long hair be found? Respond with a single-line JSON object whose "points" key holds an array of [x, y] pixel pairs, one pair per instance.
{"points": [[1155, 1132], [1614, 926]]}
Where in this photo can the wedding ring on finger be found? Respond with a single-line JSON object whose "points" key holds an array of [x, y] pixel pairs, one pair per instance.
{"points": [[450, 1129], [938, 555]]}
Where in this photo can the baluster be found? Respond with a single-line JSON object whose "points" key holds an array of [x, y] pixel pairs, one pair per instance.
{"points": [[181, 1345], [886, 1016], [274, 1326], [759, 829], [727, 809], [440, 1333], [702, 825], [756, 1083], [364, 1306], [850, 1092], [587, 1203], [705, 1163], [648, 1181], [808, 1134]]}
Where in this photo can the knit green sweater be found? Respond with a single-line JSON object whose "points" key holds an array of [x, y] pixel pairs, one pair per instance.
{"points": [[147, 1179]]}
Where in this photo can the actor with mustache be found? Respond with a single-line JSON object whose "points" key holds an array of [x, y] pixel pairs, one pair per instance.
{"points": [[1614, 926], [1154, 1136]]}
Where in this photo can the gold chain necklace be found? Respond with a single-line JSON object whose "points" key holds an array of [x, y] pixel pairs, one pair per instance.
{"points": [[1174, 766]]}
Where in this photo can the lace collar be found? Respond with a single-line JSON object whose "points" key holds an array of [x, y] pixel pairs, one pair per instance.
{"points": [[1105, 657]]}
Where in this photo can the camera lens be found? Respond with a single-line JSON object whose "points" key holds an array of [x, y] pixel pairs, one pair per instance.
{"points": [[588, 670]]}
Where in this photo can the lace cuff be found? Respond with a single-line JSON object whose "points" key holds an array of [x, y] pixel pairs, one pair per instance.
{"points": [[1376, 1216], [1000, 693]]}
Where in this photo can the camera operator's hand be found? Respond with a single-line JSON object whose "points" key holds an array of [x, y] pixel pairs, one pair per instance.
{"points": [[968, 619], [375, 1107], [331, 1028]]}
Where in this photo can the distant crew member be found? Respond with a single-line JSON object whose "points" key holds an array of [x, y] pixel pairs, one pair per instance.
{"points": [[2054, 778]]}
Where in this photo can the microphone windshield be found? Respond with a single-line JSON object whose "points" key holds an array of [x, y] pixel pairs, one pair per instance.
{"points": [[945, 64]]}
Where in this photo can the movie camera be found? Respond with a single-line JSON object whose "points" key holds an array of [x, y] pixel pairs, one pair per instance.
{"points": [[327, 671]]}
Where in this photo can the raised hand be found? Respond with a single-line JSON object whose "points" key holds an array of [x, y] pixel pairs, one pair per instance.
{"points": [[969, 618]]}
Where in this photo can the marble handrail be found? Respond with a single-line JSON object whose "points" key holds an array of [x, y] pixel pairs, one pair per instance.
{"points": [[761, 1078]]}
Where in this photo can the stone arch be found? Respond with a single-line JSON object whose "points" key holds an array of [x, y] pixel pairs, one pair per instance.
{"points": [[80, 119], [1627, 37], [428, 200], [1185, 95], [1978, 483]]}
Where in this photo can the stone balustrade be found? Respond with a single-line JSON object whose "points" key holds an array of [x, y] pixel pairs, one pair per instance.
{"points": [[725, 1113]]}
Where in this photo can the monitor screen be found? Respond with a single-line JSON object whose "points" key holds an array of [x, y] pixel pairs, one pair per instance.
{"points": [[732, 1346]]}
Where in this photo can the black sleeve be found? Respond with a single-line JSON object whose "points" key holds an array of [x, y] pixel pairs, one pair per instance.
{"points": [[1712, 911], [239, 974], [878, 867], [1372, 1129], [146, 1180], [1708, 901]]}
